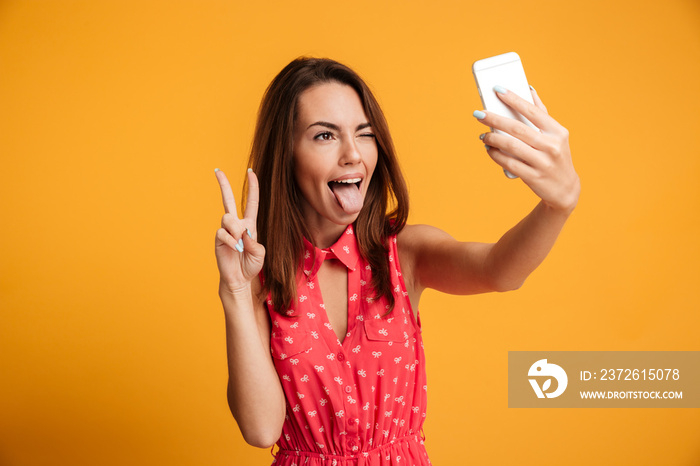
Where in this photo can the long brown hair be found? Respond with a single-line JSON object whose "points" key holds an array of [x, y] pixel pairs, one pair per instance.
{"points": [[280, 225]]}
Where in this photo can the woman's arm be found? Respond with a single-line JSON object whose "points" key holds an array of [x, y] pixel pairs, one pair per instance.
{"points": [[543, 161], [255, 395]]}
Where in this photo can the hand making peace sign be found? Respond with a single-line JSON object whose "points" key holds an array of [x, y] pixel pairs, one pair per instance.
{"points": [[238, 254]]}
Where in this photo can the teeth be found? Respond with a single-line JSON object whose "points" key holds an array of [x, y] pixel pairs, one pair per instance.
{"points": [[350, 181]]}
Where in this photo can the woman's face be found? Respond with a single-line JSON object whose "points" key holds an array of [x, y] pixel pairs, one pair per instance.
{"points": [[335, 153]]}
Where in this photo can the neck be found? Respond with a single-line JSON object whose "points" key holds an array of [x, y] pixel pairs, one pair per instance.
{"points": [[326, 236], [324, 232]]}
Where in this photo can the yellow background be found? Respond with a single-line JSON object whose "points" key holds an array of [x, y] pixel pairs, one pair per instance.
{"points": [[114, 114]]}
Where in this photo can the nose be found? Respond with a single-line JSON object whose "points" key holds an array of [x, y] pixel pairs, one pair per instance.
{"points": [[350, 154]]}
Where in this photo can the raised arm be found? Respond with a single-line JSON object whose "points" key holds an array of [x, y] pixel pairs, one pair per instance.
{"points": [[543, 162], [255, 394]]}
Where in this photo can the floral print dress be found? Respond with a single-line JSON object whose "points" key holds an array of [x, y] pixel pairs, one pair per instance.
{"points": [[361, 401]]}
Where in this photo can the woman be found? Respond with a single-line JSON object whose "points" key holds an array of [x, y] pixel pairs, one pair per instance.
{"points": [[321, 278]]}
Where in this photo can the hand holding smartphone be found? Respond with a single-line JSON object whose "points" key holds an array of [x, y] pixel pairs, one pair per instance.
{"points": [[504, 70]]}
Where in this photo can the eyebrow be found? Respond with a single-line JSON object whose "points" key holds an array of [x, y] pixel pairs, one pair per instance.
{"points": [[335, 127]]}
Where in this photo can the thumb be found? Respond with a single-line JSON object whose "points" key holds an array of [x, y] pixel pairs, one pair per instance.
{"points": [[252, 246]]}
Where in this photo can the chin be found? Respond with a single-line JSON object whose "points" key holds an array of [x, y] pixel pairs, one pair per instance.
{"points": [[346, 219]]}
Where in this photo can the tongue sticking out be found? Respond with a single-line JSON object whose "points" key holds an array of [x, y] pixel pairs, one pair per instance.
{"points": [[348, 196]]}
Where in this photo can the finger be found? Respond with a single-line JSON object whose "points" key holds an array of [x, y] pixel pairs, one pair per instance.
{"points": [[537, 100], [226, 193], [233, 225], [514, 147], [225, 237], [510, 163], [536, 115], [249, 242], [515, 128], [251, 208]]}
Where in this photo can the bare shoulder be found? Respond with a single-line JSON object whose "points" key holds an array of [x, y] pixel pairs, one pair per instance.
{"points": [[436, 260], [420, 236], [413, 242]]}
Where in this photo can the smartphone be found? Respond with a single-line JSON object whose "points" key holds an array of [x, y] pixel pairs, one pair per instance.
{"points": [[504, 70]]}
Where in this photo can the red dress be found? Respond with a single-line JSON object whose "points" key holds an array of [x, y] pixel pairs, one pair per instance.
{"points": [[359, 402]]}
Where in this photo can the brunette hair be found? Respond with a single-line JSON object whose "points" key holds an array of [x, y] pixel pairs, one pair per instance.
{"points": [[280, 224]]}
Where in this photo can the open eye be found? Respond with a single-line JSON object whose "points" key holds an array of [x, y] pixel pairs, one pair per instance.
{"points": [[324, 136]]}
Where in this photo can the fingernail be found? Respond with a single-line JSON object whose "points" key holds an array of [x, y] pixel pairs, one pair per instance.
{"points": [[532, 88], [482, 136], [479, 114], [500, 89], [487, 147], [239, 245], [249, 235], [216, 170], [250, 169]]}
